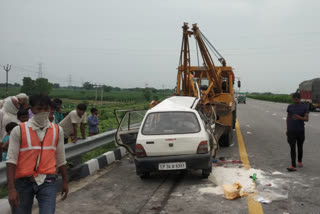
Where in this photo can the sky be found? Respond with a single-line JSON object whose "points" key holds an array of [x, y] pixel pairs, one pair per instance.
{"points": [[273, 45]]}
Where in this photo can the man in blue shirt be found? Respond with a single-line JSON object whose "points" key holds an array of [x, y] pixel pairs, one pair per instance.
{"points": [[298, 113], [93, 122]]}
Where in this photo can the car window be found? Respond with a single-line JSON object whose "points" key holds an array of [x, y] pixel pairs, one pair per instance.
{"points": [[132, 120], [166, 123]]}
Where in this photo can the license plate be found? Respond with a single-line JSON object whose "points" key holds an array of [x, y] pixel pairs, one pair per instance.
{"points": [[172, 166]]}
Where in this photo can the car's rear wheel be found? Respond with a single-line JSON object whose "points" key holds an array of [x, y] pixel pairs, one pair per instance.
{"points": [[144, 175], [206, 173]]}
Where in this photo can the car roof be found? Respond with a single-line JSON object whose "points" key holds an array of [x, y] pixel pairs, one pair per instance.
{"points": [[175, 103]]}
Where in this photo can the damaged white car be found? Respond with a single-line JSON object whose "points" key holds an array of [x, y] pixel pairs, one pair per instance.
{"points": [[173, 135]]}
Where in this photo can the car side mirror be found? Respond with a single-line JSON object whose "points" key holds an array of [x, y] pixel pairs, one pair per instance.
{"points": [[239, 84]]}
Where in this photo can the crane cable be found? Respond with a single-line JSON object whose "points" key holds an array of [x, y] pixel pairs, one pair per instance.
{"points": [[212, 48], [197, 52]]}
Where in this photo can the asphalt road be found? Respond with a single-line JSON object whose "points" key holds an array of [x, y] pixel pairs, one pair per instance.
{"points": [[118, 190]]}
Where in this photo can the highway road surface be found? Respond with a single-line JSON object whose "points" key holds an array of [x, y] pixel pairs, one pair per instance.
{"points": [[117, 189]]}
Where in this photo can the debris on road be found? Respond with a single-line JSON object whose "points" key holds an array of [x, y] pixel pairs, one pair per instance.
{"points": [[254, 177], [234, 182], [231, 173], [267, 194], [232, 191], [277, 173]]}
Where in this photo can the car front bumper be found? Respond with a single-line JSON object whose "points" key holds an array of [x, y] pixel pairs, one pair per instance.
{"points": [[194, 161]]}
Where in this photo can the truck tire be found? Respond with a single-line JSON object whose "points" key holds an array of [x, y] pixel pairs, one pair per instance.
{"points": [[234, 118], [226, 139]]}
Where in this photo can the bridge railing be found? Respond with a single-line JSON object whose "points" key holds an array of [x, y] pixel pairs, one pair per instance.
{"points": [[74, 151]]}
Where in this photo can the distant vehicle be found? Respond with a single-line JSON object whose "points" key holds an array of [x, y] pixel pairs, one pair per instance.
{"points": [[173, 135], [241, 98], [310, 93]]}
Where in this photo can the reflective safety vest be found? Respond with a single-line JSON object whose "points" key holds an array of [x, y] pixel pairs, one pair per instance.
{"points": [[30, 149]]}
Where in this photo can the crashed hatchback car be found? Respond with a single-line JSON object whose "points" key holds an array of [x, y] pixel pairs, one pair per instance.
{"points": [[170, 136]]}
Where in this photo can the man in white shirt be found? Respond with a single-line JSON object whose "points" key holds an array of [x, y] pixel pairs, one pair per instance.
{"points": [[72, 120], [36, 149]]}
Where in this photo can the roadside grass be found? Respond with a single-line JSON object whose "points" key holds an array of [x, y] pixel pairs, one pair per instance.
{"points": [[123, 95], [107, 119], [97, 152], [279, 98]]}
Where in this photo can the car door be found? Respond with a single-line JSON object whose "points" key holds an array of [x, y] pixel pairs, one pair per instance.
{"points": [[128, 128]]}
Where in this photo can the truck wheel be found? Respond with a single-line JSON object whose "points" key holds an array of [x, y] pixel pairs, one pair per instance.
{"points": [[226, 139], [234, 118], [206, 173]]}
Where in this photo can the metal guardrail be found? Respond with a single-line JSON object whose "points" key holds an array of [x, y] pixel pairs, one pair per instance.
{"points": [[74, 150]]}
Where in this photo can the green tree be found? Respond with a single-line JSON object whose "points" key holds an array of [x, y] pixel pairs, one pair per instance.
{"points": [[28, 85], [155, 97], [87, 85], [147, 95], [43, 86], [106, 88], [56, 85], [38, 86]]}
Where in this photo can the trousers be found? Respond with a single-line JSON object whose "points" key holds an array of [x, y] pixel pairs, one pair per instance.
{"points": [[296, 140], [45, 194]]}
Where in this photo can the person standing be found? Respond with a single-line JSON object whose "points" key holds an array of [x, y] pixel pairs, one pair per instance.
{"points": [[36, 149], [23, 115], [298, 113], [23, 100], [5, 140], [93, 122], [71, 122], [58, 116], [8, 114]]}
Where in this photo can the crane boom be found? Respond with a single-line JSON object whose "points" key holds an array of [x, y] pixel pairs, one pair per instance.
{"points": [[187, 73]]}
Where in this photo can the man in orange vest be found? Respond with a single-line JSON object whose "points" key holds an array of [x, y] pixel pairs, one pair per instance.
{"points": [[36, 149]]}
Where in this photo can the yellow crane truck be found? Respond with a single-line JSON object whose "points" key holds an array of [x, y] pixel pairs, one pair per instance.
{"points": [[212, 84]]}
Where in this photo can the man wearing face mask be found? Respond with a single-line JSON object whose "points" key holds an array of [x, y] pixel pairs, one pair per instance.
{"points": [[36, 149]]}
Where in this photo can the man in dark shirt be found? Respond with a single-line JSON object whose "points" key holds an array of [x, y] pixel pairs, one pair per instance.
{"points": [[298, 113]]}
